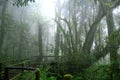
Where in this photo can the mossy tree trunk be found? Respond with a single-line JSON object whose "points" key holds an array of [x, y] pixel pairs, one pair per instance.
{"points": [[113, 45], [113, 40], [57, 44]]}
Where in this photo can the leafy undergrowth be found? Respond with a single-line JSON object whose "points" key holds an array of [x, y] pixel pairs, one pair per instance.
{"points": [[43, 75], [101, 72], [44, 72], [23, 76]]}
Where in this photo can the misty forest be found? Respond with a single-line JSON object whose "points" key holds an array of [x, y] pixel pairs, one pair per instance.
{"points": [[59, 39]]}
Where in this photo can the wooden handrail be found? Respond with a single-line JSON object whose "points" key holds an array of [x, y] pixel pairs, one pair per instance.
{"points": [[24, 68], [10, 60], [0, 67], [36, 71], [21, 63], [31, 75]]}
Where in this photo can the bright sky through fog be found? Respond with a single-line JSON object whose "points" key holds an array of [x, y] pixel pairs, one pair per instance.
{"points": [[48, 8]]}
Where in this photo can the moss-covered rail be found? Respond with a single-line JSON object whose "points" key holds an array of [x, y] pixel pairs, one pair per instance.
{"points": [[14, 72], [23, 63], [36, 71]]}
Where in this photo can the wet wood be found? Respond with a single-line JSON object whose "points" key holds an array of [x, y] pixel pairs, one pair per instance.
{"points": [[36, 71]]}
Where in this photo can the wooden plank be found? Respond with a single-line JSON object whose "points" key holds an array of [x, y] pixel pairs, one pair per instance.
{"points": [[36, 71], [6, 74], [21, 68], [15, 76], [30, 77], [27, 61], [51, 56], [0, 67]]}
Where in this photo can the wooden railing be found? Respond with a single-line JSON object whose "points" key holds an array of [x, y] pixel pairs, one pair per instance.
{"points": [[2, 65], [36, 71], [26, 63], [23, 64], [0, 70]]}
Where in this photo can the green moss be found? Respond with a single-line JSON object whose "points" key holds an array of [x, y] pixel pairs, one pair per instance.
{"points": [[68, 77]]}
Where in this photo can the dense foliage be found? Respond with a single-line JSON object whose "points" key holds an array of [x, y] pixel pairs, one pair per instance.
{"points": [[83, 33], [22, 2]]}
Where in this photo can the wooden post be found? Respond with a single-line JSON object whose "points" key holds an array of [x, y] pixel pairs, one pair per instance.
{"points": [[37, 75], [28, 64], [0, 67], [22, 70], [6, 76], [0, 70]]}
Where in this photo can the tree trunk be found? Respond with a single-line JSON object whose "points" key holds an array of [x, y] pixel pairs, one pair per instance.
{"points": [[112, 45], [3, 24], [90, 36], [57, 43], [91, 33], [40, 41]]}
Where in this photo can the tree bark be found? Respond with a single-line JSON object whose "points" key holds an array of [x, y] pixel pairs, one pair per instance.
{"points": [[57, 42], [40, 41], [112, 45], [90, 36], [3, 24]]}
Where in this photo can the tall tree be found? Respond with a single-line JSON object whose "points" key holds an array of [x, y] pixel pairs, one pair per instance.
{"points": [[40, 42], [91, 33], [113, 45], [57, 36], [3, 24]]}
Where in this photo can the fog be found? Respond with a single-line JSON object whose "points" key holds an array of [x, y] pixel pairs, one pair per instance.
{"points": [[34, 12], [74, 37]]}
